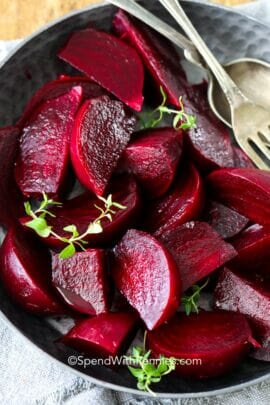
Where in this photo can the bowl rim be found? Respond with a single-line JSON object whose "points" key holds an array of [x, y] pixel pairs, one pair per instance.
{"points": [[14, 328]]}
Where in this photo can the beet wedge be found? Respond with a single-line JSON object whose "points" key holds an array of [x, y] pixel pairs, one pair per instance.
{"points": [[197, 249], [209, 144], [249, 295], [57, 88], [241, 159], [145, 273], [103, 336], [109, 62], [43, 159], [81, 210], [253, 248], [215, 341], [158, 55], [247, 191], [11, 201], [25, 271], [153, 157], [183, 202], [225, 221], [101, 132], [82, 280]]}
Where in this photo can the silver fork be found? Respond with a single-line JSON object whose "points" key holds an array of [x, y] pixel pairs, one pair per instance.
{"points": [[250, 122]]}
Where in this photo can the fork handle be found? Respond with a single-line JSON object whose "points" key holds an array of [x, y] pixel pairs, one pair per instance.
{"points": [[232, 92], [157, 24]]}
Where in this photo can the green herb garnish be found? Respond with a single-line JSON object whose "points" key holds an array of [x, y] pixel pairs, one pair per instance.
{"points": [[191, 302], [145, 371], [39, 223], [182, 120]]}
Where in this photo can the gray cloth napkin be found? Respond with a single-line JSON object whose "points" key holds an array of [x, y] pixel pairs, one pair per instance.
{"points": [[28, 377]]}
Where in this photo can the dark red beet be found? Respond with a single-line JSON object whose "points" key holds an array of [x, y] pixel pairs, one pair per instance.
{"points": [[248, 295], [104, 335], [217, 340], [25, 271], [253, 247], [82, 280], [11, 202], [97, 54], [198, 250], [245, 190], [158, 54], [153, 157], [241, 159], [145, 273], [225, 221], [183, 202], [56, 88], [81, 210], [209, 144], [101, 132], [43, 159]]}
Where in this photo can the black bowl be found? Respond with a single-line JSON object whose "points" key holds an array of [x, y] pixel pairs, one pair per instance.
{"points": [[231, 36]]}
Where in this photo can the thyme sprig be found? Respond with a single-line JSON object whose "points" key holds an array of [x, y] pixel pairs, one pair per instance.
{"points": [[76, 240], [191, 302]]}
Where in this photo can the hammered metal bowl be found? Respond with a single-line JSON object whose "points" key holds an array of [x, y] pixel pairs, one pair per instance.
{"points": [[231, 36]]}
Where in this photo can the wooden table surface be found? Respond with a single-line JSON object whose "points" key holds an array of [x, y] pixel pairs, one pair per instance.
{"points": [[19, 18]]}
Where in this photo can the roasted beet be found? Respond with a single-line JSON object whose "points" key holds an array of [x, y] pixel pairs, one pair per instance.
{"points": [[82, 280], [253, 248], [183, 202], [56, 88], [197, 249], [215, 341], [225, 221], [145, 273], [249, 295], [25, 271], [43, 159], [245, 190], [108, 61], [11, 202], [81, 210], [158, 54], [153, 157], [101, 132], [104, 335], [209, 144], [241, 159]]}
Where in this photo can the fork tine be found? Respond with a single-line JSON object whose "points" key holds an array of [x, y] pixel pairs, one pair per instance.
{"points": [[261, 145], [253, 155], [265, 136]]}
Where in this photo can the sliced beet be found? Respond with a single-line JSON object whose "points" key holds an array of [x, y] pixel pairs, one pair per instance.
{"points": [[25, 271], [253, 248], [241, 159], [224, 220], [249, 295], [82, 280], [145, 273], [43, 158], [104, 335], [57, 88], [183, 202], [197, 249], [245, 190], [11, 202], [209, 144], [158, 55], [80, 211], [216, 342], [101, 132], [108, 61], [153, 158]]}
